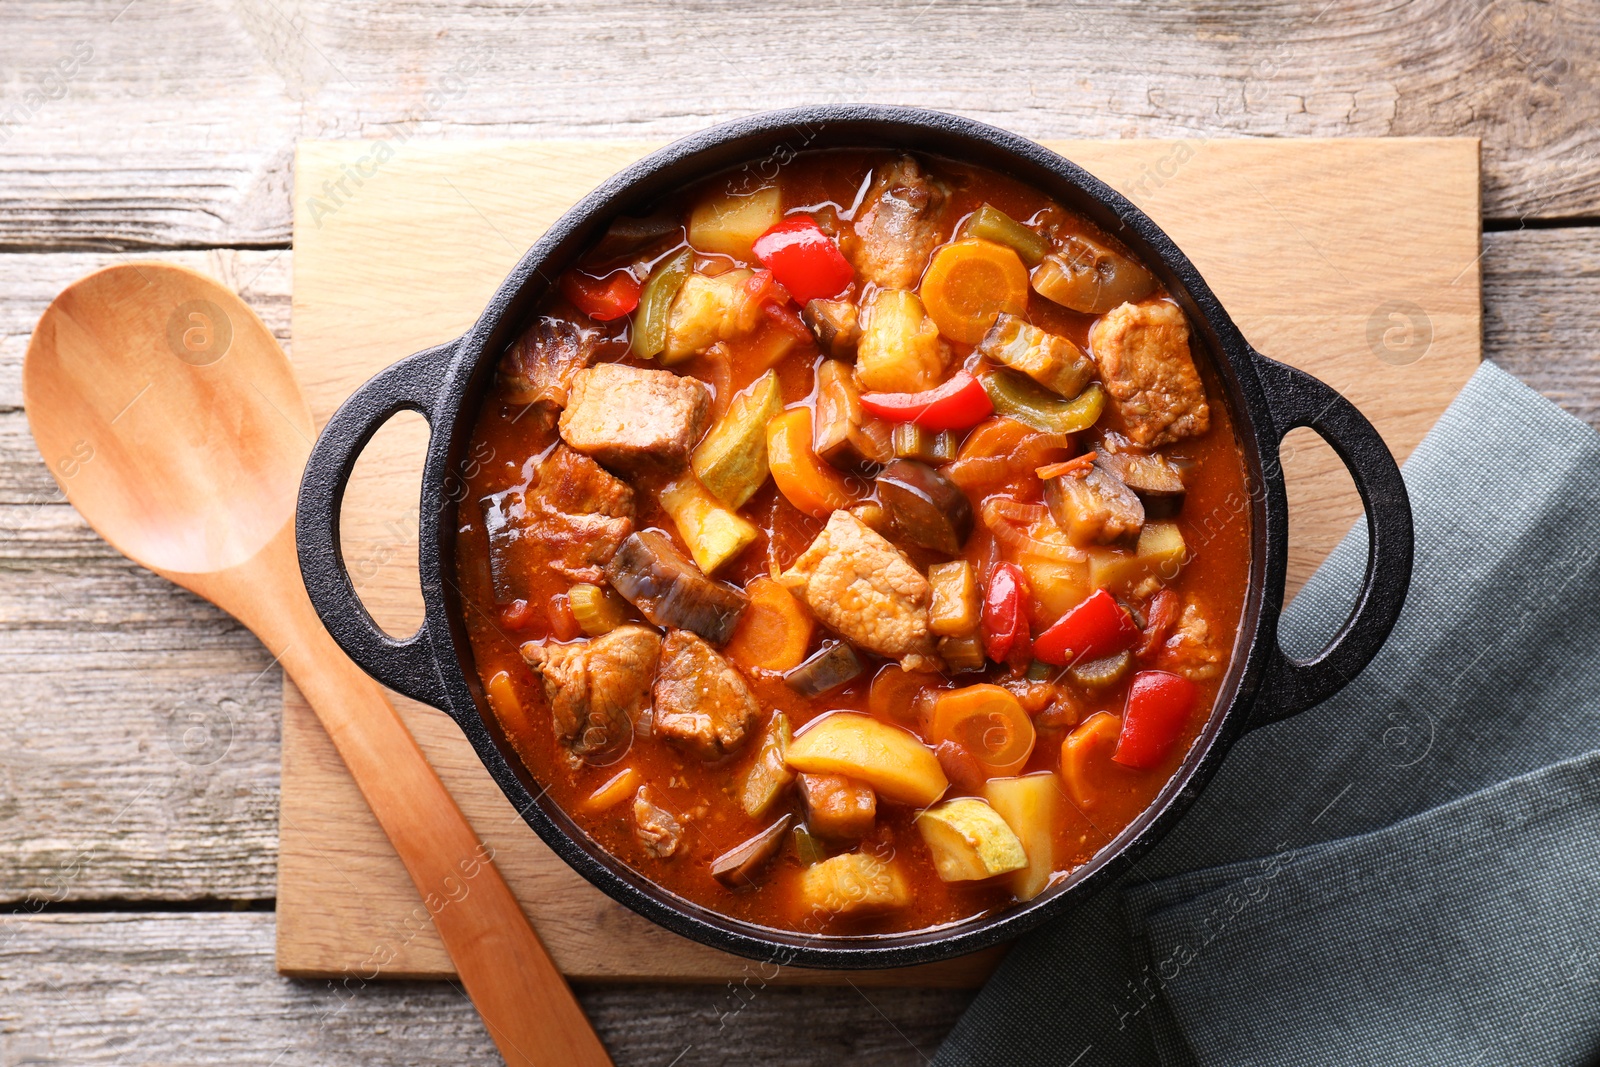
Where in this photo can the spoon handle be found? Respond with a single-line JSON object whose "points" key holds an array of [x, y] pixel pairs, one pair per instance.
{"points": [[525, 1002]]}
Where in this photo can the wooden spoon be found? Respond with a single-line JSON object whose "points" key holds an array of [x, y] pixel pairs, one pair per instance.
{"points": [[173, 422]]}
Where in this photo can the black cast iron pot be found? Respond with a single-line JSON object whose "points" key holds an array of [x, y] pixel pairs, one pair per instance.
{"points": [[447, 383]]}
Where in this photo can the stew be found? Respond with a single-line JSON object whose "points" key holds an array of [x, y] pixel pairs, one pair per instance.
{"points": [[856, 549]]}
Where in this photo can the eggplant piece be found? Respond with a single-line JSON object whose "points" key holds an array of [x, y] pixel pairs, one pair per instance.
{"points": [[927, 508], [1157, 481], [842, 432], [627, 235], [837, 806], [962, 654], [670, 591], [836, 324], [737, 867], [825, 670], [913, 442], [1054, 362], [512, 556], [1087, 276], [1094, 507]]}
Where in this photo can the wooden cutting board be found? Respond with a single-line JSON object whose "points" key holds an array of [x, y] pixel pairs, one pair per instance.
{"points": [[1354, 259]]}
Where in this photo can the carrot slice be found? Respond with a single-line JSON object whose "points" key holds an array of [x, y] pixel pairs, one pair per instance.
{"points": [[990, 723], [969, 283], [616, 789], [894, 690], [774, 630], [1086, 758], [803, 477]]}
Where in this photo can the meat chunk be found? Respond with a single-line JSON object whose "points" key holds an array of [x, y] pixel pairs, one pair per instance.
{"points": [[837, 806], [597, 689], [901, 224], [1190, 651], [865, 590], [657, 829], [708, 310], [1143, 354], [701, 700], [635, 420], [539, 366], [1052, 361], [571, 519]]}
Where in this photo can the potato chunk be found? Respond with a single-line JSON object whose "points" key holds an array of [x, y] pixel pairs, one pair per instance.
{"points": [[954, 610], [1029, 805], [715, 534], [853, 882], [708, 310], [729, 223], [891, 760], [900, 349], [970, 841]]}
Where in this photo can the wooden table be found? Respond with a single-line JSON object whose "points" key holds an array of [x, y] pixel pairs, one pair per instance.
{"points": [[139, 734]]}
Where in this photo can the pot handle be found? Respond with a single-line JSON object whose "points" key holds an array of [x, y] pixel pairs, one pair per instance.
{"points": [[1297, 399], [407, 666]]}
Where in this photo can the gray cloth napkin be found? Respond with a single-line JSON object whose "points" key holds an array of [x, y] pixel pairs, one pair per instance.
{"points": [[1464, 935], [1491, 673]]}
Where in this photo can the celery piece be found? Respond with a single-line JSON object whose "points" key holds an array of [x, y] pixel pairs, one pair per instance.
{"points": [[992, 224], [597, 610]]}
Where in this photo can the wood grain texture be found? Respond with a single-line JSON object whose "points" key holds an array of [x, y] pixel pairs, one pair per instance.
{"points": [[1260, 219], [173, 124], [1541, 300], [139, 742], [181, 990]]}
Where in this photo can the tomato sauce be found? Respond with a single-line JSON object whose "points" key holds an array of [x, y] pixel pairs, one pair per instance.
{"points": [[507, 446]]}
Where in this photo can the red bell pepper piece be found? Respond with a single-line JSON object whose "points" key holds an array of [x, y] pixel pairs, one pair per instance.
{"points": [[563, 623], [1158, 707], [516, 615], [1163, 614], [785, 317], [602, 299], [958, 404], [804, 259], [1005, 614], [1097, 627]]}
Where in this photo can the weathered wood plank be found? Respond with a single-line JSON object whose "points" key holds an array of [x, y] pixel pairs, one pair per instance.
{"points": [[92, 649], [1541, 321], [200, 989], [172, 125], [139, 741]]}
